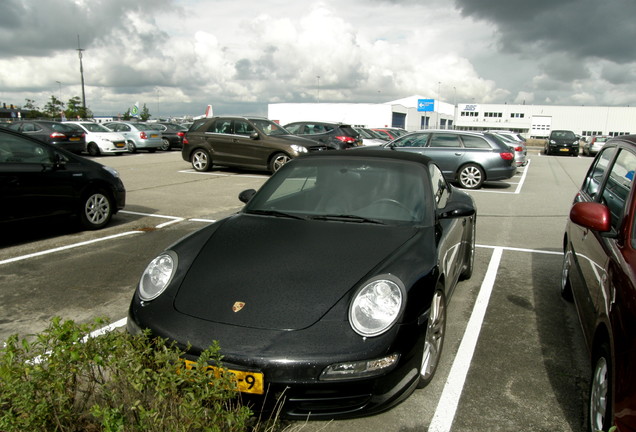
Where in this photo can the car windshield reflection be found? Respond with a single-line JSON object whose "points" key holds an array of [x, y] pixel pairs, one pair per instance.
{"points": [[360, 191]]}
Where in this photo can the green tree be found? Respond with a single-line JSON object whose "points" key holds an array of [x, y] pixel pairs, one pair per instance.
{"points": [[54, 107], [34, 111], [145, 113], [126, 116], [74, 109]]}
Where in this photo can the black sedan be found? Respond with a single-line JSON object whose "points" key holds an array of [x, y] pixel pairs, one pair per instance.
{"points": [[51, 132], [39, 180], [330, 286]]}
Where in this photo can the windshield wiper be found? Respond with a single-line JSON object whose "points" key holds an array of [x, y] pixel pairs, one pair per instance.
{"points": [[347, 218], [276, 213]]}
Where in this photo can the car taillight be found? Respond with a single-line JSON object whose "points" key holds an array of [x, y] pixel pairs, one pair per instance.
{"points": [[180, 134], [518, 148], [143, 135], [507, 156], [57, 135], [346, 139], [185, 140]]}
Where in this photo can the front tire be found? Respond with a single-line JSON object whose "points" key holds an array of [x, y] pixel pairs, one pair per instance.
{"points": [[434, 339], [96, 211], [471, 176], [600, 402], [277, 161], [469, 261], [132, 148], [201, 160], [566, 286], [92, 149]]}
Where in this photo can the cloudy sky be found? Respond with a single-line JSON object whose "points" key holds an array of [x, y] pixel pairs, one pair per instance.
{"points": [[178, 56]]}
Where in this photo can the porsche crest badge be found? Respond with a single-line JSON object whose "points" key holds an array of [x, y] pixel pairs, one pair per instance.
{"points": [[238, 306]]}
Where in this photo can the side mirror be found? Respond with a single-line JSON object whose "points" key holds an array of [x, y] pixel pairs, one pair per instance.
{"points": [[456, 210], [254, 136], [246, 195], [591, 215]]}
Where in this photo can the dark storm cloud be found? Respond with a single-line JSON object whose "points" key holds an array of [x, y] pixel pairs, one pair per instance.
{"points": [[30, 28], [581, 28]]}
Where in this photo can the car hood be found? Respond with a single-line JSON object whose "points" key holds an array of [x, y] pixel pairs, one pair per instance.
{"points": [[286, 274], [111, 136]]}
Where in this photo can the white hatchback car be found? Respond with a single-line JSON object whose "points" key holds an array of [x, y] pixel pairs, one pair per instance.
{"points": [[100, 140]]}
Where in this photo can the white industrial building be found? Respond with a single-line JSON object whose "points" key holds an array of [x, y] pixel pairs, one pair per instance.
{"points": [[416, 112]]}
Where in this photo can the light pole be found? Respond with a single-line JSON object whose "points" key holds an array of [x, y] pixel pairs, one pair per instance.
{"points": [[60, 84], [79, 51], [318, 97]]}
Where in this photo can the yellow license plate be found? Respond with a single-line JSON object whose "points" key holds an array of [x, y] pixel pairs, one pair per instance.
{"points": [[246, 382], [74, 139], [154, 136], [564, 149], [119, 144]]}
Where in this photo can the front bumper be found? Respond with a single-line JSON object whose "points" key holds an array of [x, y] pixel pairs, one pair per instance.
{"points": [[293, 376]]}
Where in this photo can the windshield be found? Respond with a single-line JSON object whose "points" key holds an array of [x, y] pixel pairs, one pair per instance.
{"points": [[569, 135], [347, 189], [268, 127], [94, 127]]}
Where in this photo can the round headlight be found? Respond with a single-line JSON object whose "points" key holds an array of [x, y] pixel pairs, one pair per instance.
{"points": [[157, 275], [376, 306]]}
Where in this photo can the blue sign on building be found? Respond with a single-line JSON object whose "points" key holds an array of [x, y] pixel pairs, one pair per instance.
{"points": [[426, 104]]}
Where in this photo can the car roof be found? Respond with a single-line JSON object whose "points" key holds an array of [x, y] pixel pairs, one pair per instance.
{"points": [[371, 153]]}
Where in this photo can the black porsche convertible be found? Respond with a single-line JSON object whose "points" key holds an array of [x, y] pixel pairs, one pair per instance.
{"points": [[329, 287]]}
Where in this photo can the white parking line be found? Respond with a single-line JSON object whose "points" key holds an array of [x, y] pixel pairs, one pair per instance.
{"points": [[72, 246], [445, 412], [217, 174]]}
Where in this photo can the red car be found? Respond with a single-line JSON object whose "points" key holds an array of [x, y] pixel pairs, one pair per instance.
{"points": [[599, 275], [390, 133]]}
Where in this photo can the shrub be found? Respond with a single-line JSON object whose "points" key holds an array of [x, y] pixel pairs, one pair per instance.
{"points": [[62, 381]]}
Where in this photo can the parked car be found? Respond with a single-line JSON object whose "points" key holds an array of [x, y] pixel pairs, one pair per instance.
{"points": [[337, 136], [599, 274], [171, 134], [370, 137], [100, 140], [337, 339], [562, 142], [52, 132], [246, 142], [468, 158], [594, 144], [519, 147], [139, 136], [43, 180], [390, 133]]}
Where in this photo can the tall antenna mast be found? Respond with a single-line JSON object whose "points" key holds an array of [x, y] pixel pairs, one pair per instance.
{"points": [[79, 51]]}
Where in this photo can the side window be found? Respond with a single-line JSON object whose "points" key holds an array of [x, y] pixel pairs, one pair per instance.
{"points": [[222, 126], [618, 186], [412, 140], [475, 142], [294, 128], [242, 127], [315, 129], [444, 140], [595, 176], [124, 128], [440, 187], [29, 127], [17, 150]]}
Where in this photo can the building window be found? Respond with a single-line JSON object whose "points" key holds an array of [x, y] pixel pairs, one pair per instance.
{"points": [[469, 114], [493, 114], [517, 115]]}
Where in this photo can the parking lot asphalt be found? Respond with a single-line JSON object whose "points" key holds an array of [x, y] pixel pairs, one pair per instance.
{"points": [[513, 359]]}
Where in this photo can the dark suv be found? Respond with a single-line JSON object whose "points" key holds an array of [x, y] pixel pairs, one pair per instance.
{"points": [[562, 142], [246, 142], [337, 136]]}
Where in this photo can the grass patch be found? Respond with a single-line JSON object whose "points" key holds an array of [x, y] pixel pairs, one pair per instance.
{"points": [[61, 380]]}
